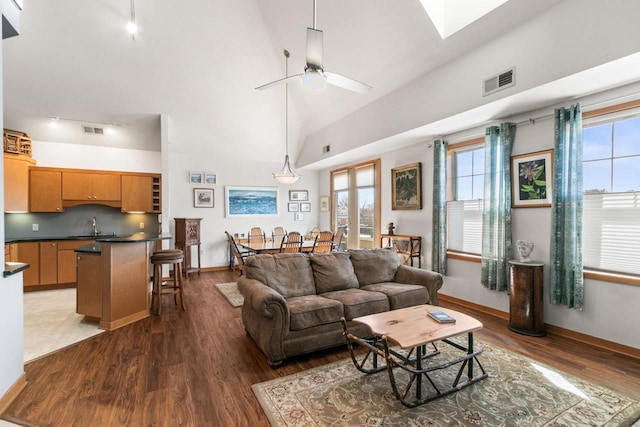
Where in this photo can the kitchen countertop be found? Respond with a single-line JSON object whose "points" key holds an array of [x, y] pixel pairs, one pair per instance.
{"points": [[137, 237], [96, 248], [11, 268]]}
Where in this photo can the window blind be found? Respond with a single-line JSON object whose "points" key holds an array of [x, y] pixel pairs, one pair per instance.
{"points": [[464, 226], [611, 232]]}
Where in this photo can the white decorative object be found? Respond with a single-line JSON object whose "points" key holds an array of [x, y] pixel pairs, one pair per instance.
{"points": [[525, 247]]}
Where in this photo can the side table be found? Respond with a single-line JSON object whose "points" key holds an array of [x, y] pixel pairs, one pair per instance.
{"points": [[409, 247], [525, 298], [187, 234]]}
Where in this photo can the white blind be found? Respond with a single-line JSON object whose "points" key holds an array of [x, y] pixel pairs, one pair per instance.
{"points": [[365, 176], [464, 226], [611, 232], [340, 181]]}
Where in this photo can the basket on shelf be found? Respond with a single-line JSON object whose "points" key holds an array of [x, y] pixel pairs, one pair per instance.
{"points": [[16, 142]]}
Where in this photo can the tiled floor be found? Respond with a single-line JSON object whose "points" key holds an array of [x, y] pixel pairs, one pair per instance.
{"points": [[51, 322]]}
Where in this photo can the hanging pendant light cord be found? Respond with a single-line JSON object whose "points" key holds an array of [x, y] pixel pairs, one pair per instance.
{"points": [[286, 104]]}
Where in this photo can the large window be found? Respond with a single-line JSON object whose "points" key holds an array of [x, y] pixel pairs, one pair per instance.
{"points": [[356, 204], [466, 190], [611, 216]]}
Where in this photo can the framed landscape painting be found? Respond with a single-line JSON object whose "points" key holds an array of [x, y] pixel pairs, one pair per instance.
{"points": [[203, 197], [406, 187], [531, 179], [251, 201]]}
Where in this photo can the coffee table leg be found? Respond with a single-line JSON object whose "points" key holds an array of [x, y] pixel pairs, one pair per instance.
{"points": [[470, 351]]}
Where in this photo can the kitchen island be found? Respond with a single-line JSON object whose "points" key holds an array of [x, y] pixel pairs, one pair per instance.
{"points": [[113, 279]]}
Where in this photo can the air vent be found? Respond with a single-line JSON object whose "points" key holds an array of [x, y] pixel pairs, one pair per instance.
{"points": [[500, 81], [92, 130], [326, 149]]}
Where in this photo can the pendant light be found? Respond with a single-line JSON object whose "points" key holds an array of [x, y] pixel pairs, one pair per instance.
{"points": [[286, 175]]}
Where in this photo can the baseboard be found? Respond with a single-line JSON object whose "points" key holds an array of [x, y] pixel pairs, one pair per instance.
{"points": [[13, 392], [551, 329]]}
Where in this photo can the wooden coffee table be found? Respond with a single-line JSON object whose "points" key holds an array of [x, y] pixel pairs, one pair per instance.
{"points": [[413, 331]]}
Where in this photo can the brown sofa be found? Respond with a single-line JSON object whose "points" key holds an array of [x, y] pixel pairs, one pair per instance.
{"points": [[293, 302]]}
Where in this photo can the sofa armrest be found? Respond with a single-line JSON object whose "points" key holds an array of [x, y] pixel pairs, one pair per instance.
{"points": [[265, 316], [417, 276]]}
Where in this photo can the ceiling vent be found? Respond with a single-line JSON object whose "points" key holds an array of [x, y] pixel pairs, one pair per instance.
{"points": [[500, 81], [326, 149], [92, 130]]}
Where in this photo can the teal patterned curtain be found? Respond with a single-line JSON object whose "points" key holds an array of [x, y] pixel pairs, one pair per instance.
{"points": [[496, 212], [565, 276], [439, 229]]}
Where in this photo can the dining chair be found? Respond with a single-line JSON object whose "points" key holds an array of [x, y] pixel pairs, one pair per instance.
{"points": [[278, 232], [292, 243], [337, 239], [237, 253], [323, 242], [315, 231], [256, 235]]}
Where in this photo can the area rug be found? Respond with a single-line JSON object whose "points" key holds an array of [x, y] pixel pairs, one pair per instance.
{"points": [[51, 323], [231, 293], [518, 392]]}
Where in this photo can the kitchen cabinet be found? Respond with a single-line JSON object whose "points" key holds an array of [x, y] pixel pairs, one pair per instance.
{"points": [[67, 260], [45, 190], [11, 252], [141, 193], [29, 253], [48, 263], [89, 186], [16, 182], [89, 293]]}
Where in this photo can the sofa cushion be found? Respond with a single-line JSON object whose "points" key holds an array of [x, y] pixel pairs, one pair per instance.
{"points": [[289, 274], [358, 303], [308, 311], [374, 265], [401, 295], [333, 271]]}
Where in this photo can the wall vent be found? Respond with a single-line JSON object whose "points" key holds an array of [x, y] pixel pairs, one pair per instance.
{"points": [[92, 130], [500, 81], [326, 149]]}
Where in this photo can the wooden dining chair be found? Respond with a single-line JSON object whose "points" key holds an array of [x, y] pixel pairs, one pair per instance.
{"points": [[256, 235], [237, 253], [323, 242], [292, 243], [278, 232], [337, 239]]}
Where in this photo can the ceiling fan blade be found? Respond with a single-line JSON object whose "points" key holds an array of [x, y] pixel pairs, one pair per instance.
{"points": [[279, 82], [314, 48], [346, 82]]}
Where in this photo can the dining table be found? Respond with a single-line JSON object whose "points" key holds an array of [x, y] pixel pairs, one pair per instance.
{"points": [[271, 246]]}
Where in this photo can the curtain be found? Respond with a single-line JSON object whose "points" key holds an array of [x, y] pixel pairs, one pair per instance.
{"points": [[496, 212], [439, 228], [565, 276]]}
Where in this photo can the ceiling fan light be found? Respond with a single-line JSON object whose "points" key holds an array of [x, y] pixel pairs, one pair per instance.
{"points": [[314, 79]]}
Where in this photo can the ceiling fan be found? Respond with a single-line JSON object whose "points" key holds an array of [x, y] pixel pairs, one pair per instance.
{"points": [[314, 75]]}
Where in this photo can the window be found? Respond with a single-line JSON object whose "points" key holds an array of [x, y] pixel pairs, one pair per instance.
{"points": [[466, 191], [611, 204]]}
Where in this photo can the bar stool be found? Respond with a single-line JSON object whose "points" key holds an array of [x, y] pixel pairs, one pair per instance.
{"points": [[174, 285]]}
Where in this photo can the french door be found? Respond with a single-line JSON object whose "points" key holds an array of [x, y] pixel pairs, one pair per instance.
{"points": [[355, 204]]}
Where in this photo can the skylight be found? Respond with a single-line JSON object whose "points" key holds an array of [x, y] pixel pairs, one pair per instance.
{"points": [[450, 16]]}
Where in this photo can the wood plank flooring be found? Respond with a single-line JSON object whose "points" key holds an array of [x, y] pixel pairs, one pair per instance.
{"points": [[195, 368]]}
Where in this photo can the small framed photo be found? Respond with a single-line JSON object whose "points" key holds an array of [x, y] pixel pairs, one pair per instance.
{"points": [[305, 207], [209, 178], [298, 216], [202, 197], [324, 204], [293, 207], [195, 177], [298, 195], [531, 179]]}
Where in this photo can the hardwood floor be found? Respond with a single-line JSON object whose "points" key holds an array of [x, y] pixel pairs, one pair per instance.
{"points": [[195, 368]]}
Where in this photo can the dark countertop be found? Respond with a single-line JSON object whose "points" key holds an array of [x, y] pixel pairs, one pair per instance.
{"points": [[96, 248], [99, 238], [11, 268]]}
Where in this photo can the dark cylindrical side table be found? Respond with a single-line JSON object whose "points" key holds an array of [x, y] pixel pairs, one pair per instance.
{"points": [[525, 298]]}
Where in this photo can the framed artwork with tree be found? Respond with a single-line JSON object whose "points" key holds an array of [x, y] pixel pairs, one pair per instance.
{"points": [[406, 187]]}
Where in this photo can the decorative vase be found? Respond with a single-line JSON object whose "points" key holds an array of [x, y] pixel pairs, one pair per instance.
{"points": [[525, 247]]}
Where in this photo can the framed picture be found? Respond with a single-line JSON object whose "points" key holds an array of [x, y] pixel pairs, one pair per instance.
{"points": [[202, 197], [292, 207], [531, 179], [209, 178], [305, 207], [299, 195], [250, 201], [298, 216], [406, 187], [324, 204], [195, 177]]}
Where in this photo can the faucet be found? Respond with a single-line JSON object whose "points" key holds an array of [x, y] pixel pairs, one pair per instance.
{"points": [[94, 224]]}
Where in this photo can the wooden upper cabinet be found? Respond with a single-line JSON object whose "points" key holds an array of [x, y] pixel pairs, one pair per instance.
{"points": [[45, 190], [137, 193], [91, 187], [16, 182]]}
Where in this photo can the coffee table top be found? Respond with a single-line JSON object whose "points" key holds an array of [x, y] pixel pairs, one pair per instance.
{"points": [[410, 327]]}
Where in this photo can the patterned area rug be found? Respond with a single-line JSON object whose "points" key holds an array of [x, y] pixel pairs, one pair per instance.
{"points": [[231, 293], [518, 392]]}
